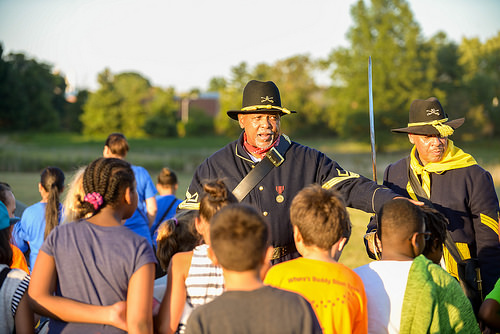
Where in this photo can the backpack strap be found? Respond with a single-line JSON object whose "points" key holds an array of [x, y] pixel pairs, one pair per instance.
{"points": [[3, 275], [274, 158], [168, 209]]}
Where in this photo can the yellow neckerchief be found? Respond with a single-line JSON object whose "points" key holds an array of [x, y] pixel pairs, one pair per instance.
{"points": [[453, 158]]}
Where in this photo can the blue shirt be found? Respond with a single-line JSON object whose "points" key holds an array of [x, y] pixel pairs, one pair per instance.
{"points": [[164, 203], [139, 222], [29, 231]]}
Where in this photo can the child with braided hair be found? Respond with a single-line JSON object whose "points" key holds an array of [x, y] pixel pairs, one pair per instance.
{"points": [[94, 275], [41, 218]]}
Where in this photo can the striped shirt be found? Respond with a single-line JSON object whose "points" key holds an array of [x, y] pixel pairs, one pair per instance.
{"points": [[12, 290], [19, 293], [204, 281]]}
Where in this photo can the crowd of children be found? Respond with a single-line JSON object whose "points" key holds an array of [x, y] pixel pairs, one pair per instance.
{"points": [[89, 272]]}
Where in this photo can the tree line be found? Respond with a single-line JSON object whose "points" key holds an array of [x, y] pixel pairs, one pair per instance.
{"points": [[465, 77]]}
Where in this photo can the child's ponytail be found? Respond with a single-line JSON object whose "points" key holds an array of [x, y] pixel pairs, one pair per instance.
{"points": [[216, 196], [52, 181]]}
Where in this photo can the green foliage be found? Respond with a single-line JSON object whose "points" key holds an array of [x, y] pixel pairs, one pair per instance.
{"points": [[127, 103], [402, 69], [199, 124], [31, 96], [481, 64]]}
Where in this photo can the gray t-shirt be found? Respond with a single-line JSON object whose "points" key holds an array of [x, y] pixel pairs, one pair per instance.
{"points": [[265, 310], [94, 265]]}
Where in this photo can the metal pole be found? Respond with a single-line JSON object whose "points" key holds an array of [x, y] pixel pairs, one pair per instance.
{"points": [[372, 125]]}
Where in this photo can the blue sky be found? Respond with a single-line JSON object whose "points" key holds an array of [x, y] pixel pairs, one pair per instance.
{"points": [[183, 44]]}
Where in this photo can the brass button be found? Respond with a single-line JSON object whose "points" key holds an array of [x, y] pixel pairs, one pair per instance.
{"points": [[265, 213], [261, 188]]}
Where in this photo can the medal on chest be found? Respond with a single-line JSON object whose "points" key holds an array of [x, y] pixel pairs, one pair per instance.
{"points": [[280, 198]]}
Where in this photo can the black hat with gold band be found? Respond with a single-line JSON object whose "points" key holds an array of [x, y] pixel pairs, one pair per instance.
{"points": [[428, 118], [260, 97]]}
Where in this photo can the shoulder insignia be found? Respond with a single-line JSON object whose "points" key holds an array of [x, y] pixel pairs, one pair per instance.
{"points": [[191, 202], [342, 176]]}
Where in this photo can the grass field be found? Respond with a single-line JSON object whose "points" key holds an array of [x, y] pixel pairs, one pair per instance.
{"points": [[23, 156]]}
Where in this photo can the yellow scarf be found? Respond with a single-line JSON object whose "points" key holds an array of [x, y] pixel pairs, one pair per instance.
{"points": [[453, 158]]}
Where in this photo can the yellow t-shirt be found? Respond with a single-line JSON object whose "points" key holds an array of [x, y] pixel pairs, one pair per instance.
{"points": [[336, 293]]}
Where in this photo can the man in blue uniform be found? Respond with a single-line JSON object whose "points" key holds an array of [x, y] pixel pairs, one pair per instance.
{"points": [[455, 185], [290, 167]]}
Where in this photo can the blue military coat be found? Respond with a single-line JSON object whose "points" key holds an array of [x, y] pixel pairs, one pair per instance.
{"points": [[273, 195]]}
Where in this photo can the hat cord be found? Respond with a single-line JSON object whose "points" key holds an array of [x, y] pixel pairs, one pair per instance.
{"points": [[443, 129], [265, 106]]}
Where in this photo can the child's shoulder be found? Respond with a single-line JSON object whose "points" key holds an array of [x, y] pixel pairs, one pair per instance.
{"points": [[182, 261], [34, 209]]}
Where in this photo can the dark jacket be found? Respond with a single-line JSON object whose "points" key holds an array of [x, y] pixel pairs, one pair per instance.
{"points": [[467, 197], [302, 166]]}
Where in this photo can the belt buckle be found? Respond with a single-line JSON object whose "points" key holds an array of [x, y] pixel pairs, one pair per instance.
{"points": [[278, 252], [275, 157]]}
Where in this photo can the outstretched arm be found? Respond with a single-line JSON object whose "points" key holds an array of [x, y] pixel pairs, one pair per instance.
{"points": [[140, 300], [44, 302], [173, 302]]}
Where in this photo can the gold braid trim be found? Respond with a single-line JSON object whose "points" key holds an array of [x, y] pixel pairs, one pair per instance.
{"points": [[266, 106], [444, 130]]}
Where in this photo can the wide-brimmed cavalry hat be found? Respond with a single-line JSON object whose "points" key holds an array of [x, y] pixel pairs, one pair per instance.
{"points": [[260, 97], [428, 118]]}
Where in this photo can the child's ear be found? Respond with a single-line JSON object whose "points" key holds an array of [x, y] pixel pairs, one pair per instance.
{"points": [[341, 243], [198, 223], [337, 248], [416, 246], [106, 151], [212, 256], [128, 196], [297, 237]]}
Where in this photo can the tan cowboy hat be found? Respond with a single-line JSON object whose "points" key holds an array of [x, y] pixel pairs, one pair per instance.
{"points": [[428, 118], [260, 97]]}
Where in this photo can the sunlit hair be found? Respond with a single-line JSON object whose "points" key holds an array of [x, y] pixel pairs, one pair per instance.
{"points": [[320, 216], [239, 237], [176, 235], [216, 196], [52, 181], [118, 144], [73, 194], [108, 177]]}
